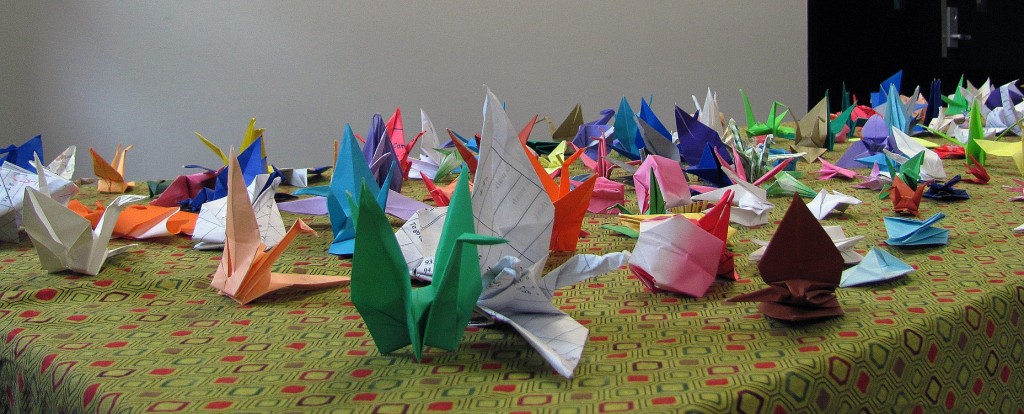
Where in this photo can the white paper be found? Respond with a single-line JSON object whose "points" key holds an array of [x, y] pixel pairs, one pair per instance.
{"points": [[210, 226]]}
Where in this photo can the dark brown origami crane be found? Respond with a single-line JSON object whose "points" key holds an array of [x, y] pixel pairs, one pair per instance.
{"points": [[802, 267]]}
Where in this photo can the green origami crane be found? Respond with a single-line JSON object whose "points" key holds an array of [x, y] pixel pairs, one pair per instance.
{"points": [[773, 125], [434, 315]]}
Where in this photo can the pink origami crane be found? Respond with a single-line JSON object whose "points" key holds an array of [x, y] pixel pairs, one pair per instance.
{"points": [[1019, 189], [829, 171], [607, 193], [674, 189], [185, 187]]}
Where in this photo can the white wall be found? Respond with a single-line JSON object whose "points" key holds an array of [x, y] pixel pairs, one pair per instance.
{"points": [[99, 73]]}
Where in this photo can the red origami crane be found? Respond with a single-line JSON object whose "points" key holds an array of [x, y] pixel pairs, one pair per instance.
{"points": [[904, 199]]}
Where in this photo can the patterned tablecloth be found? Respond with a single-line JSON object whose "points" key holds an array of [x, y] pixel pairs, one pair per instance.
{"points": [[148, 334]]}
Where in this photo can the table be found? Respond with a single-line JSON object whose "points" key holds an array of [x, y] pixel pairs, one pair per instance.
{"points": [[148, 334]]}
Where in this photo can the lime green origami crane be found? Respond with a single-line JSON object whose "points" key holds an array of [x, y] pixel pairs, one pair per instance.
{"points": [[435, 315]]}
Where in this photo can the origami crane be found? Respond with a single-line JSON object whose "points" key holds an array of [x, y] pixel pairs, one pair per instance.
{"points": [[677, 255], [140, 222], [628, 139], [507, 181], [669, 183], [874, 138], [12, 196], [978, 171], [23, 155], [521, 297], [878, 266], [757, 163], [709, 114], [773, 125], [908, 232], [1014, 150], [570, 203], [1018, 189], [931, 165], [441, 195], [709, 169], [606, 196], [1019, 229], [64, 240], [826, 202], [351, 174], [468, 155], [299, 177], [434, 315], [905, 200], [947, 151], [656, 138], [211, 225], [750, 204], [382, 157], [603, 165], [889, 87], [185, 187], [829, 171], [252, 136], [897, 114], [396, 133], [812, 133], [111, 175], [244, 271], [436, 160], [250, 160], [553, 161], [957, 103], [945, 191], [976, 146], [570, 126], [845, 245], [876, 181], [800, 288], [715, 221], [1004, 114], [694, 136], [787, 184]]}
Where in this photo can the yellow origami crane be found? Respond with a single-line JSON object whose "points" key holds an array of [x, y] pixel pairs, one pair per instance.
{"points": [[111, 174], [251, 135]]}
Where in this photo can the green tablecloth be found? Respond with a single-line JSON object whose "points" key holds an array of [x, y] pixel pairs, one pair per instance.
{"points": [[148, 334]]}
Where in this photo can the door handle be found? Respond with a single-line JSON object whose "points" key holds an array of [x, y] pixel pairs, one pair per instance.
{"points": [[951, 35]]}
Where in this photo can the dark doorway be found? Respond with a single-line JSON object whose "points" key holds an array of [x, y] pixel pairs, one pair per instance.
{"points": [[864, 42]]}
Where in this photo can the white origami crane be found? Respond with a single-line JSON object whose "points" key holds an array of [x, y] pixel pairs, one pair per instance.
{"points": [[520, 297], [210, 226], [12, 196], [845, 245], [931, 166], [750, 205], [66, 241], [825, 202], [431, 160]]}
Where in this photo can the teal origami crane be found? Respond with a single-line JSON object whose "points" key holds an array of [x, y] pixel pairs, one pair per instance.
{"points": [[434, 315], [877, 266], [350, 172], [908, 232]]}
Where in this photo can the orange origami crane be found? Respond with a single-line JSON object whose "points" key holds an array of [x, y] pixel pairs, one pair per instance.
{"points": [[244, 272], [140, 221], [904, 199], [111, 174], [570, 204], [441, 195]]}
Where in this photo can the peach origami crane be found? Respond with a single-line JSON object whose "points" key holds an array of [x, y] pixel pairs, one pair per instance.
{"points": [[800, 287], [244, 271], [904, 199], [607, 194], [570, 203], [111, 174]]}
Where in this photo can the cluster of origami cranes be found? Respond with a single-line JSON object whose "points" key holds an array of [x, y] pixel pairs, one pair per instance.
{"points": [[502, 203]]}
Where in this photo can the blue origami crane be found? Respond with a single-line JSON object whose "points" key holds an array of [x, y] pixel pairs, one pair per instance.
{"points": [[22, 155], [876, 266], [908, 232]]}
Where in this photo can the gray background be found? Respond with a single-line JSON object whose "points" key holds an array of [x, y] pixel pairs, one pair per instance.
{"points": [[148, 73]]}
